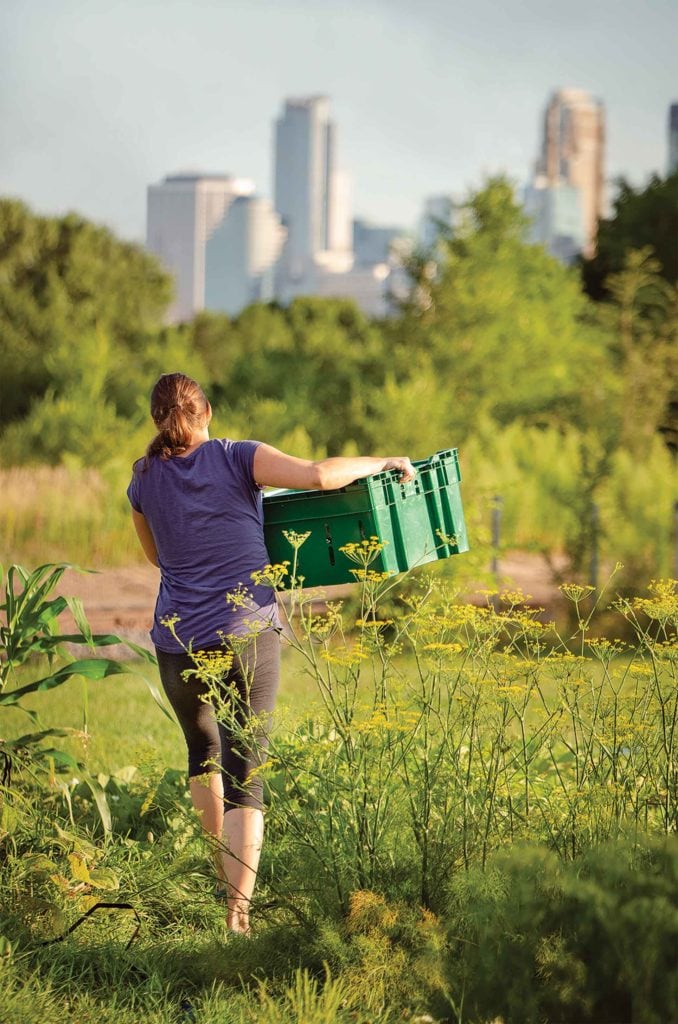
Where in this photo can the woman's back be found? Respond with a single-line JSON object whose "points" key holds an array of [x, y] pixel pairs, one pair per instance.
{"points": [[205, 511]]}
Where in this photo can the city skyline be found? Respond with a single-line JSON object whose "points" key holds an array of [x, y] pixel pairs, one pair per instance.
{"points": [[227, 247], [430, 101]]}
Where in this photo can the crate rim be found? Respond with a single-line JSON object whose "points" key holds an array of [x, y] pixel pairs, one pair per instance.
{"points": [[387, 475]]}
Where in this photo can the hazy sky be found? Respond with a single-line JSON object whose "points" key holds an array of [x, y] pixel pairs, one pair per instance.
{"points": [[99, 98]]}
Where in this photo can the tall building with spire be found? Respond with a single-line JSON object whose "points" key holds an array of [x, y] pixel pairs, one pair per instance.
{"points": [[311, 196], [573, 158]]}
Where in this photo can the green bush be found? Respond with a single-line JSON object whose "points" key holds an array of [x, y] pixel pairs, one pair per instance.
{"points": [[534, 939]]}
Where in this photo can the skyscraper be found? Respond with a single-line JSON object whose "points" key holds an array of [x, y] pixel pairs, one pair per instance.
{"points": [[372, 243], [182, 213], [556, 218], [240, 256], [311, 195], [673, 139], [573, 154]]}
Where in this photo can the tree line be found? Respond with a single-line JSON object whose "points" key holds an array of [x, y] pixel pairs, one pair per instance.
{"points": [[495, 339]]}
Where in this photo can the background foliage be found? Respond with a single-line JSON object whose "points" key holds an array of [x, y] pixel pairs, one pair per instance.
{"points": [[556, 401]]}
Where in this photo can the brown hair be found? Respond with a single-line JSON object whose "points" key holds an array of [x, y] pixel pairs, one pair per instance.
{"points": [[178, 408]]}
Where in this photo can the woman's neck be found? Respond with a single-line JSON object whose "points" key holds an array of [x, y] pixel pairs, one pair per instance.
{"points": [[198, 437]]}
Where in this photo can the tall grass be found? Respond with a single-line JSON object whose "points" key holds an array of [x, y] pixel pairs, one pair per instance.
{"points": [[61, 513]]}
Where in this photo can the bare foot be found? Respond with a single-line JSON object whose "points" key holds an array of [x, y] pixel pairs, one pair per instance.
{"points": [[239, 916]]}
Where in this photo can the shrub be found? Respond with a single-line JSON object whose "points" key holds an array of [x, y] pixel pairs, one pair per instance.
{"points": [[532, 938]]}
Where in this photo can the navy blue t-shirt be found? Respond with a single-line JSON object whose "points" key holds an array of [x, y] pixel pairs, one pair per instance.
{"points": [[205, 511]]}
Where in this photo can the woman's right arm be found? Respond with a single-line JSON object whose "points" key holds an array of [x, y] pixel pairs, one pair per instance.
{"points": [[272, 468], [146, 538]]}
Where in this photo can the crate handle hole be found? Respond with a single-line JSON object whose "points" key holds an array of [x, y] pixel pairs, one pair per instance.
{"points": [[363, 535], [328, 538]]}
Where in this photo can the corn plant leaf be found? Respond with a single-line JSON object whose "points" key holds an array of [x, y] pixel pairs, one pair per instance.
{"points": [[108, 640], [77, 610], [31, 618], [157, 697], [58, 757], [30, 739], [33, 715], [88, 668]]}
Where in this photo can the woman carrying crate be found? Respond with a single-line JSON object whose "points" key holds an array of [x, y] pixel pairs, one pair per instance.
{"points": [[197, 507]]}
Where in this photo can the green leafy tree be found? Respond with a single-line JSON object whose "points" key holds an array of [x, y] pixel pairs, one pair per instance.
{"points": [[502, 325], [646, 216], [642, 316], [60, 280], [312, 368]]}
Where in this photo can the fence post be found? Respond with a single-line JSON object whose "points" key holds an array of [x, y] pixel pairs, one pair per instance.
{"points": [[595, 531], [497, 510]]}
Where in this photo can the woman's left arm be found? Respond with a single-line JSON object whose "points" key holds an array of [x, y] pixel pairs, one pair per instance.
{"points": [[145, 537]]}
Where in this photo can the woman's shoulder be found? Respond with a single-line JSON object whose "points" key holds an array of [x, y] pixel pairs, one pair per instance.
{"points": [[235, 447], [240, 456]]}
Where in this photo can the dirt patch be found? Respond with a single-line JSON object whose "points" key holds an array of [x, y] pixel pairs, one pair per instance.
{"points": [[121, 601], [117, 601]]}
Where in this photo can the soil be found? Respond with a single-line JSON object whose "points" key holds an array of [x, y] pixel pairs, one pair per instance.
{"points": [[121, 601]]}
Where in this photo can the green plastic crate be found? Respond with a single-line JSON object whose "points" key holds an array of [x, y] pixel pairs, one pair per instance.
{"points": [[408, 518]]}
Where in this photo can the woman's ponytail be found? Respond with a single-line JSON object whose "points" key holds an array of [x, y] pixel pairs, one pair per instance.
{"points": [[178, 408]]}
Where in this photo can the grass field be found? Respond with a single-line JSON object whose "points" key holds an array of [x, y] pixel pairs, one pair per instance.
{"points": [[466, 820]]}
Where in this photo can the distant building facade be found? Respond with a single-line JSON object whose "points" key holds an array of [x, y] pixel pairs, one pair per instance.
{"points": [[556, 219], [241, 254], [373, 244], [673, 139], [366, 285], [573, 157], [311, 196], [182, 213]]}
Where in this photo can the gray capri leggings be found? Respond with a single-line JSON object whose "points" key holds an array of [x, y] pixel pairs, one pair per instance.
{"points": [[211, 743]]}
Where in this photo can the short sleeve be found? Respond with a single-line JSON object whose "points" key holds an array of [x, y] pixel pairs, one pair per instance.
{"points": [[242, 453], [133, 493]]}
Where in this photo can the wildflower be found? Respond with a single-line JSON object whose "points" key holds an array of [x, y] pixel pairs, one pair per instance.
{"points": [[239, 598], [364, 552], [296, 539], [271, 575], [576, 591], [605, 649], [346, 658], [368, 576], [373, 623], [514, 597], [451, 648], [210, 664], [641, 670], [663, 605]]}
